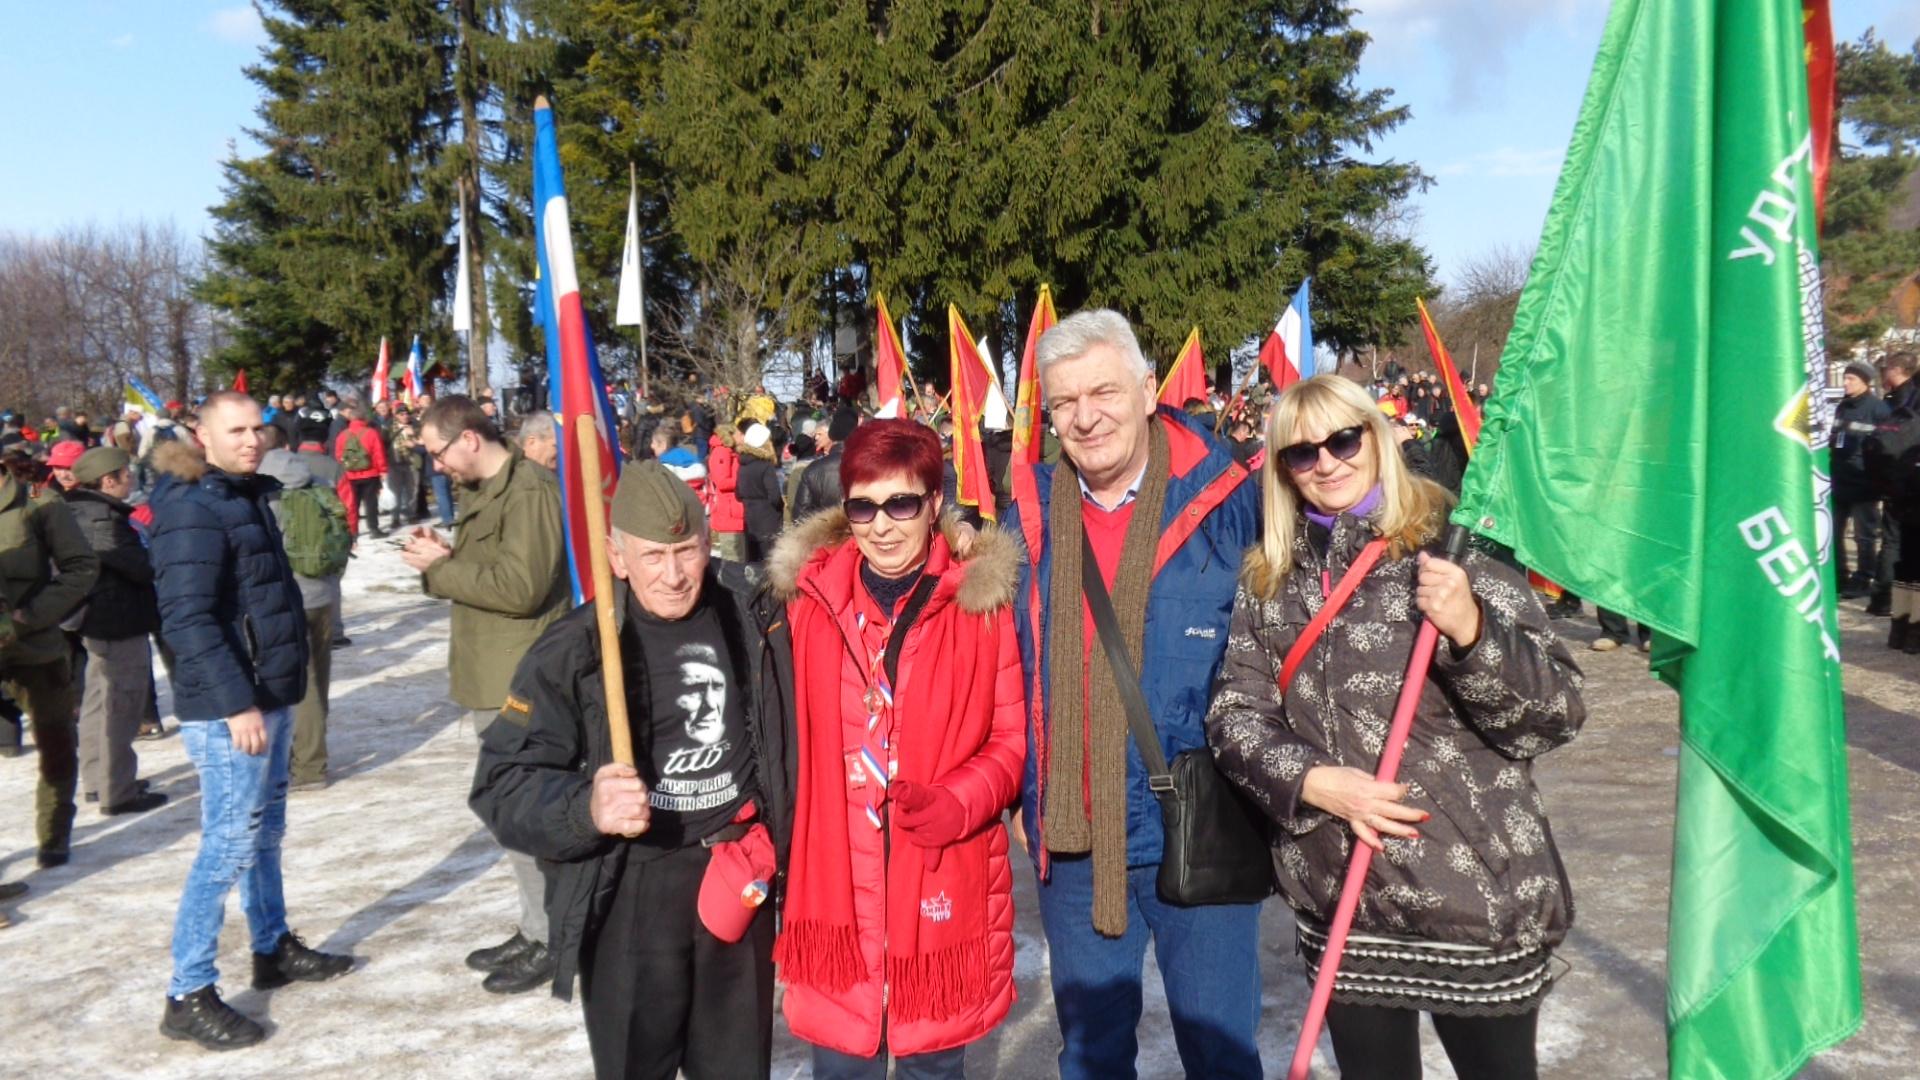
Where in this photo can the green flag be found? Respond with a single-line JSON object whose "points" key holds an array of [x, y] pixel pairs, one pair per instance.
{"points": [[1656, 442]]}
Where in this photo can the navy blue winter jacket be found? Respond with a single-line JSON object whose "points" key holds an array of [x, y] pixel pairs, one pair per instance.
{"points": [[1189, 607], [229, 606]]}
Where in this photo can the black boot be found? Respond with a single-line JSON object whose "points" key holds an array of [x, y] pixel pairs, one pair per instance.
{"points": [[495, 957], [530, 969], [1912, 645], [139, 804], [203, 1018], [1897, 633], [1882, 602], [292, 961]]}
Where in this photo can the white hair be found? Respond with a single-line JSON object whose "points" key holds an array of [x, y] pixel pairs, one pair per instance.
{"points": [[539, 423], [1073, 336]]}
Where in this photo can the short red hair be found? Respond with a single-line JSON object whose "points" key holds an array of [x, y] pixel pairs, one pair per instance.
{"points": [[878, 449]]}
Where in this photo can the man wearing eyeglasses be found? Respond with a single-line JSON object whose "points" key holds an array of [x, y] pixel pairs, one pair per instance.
{"points": [[1166, 514], [507, 579]]}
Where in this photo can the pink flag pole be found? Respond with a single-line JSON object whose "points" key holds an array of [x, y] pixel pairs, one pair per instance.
{"points": [[1403, 710]]}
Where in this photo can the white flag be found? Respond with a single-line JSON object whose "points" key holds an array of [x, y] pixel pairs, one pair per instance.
{"points": [[462, 288], [994, 415], [631, 312]]}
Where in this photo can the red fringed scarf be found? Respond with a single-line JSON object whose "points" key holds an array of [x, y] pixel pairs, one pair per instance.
{"points": [[935, 966]]}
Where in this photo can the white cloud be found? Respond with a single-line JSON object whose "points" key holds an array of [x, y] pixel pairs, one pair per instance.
{"points": [[1474, 37], [237, 25], [1505, 161], [124, 41]]}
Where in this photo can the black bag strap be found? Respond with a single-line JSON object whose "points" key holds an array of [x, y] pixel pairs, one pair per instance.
{"points": [[1139, 720], [922, 592]]}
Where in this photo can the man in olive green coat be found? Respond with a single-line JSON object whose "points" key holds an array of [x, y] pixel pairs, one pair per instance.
{"points": [[46, 570], [506, 575]]}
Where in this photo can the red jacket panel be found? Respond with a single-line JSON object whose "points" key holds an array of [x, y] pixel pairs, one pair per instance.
{"points": [[726, 514]]}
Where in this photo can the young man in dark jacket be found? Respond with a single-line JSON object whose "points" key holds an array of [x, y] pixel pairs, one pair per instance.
{"points": [[708, 683], [1858, 415], [231, 612], [820, 488], [121, 612]]}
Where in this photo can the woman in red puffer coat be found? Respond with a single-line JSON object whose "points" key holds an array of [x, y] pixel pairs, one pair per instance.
{"points": [[725, 514], [898, 910]]}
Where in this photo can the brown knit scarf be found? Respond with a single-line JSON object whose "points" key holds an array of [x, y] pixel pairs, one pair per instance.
{"points": [[1069, 827]]}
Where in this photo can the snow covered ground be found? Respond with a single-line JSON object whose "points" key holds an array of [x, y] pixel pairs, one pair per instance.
{"points": [[388, 864]]}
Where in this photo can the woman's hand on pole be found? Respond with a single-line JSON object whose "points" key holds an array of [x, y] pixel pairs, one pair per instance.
{"points": [[1445, 596], [1370, 806]]}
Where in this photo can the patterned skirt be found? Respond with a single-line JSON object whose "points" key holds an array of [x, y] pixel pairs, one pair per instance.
{"points": [[1432, 976]]}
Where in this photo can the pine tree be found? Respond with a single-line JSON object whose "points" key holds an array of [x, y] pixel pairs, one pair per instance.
{"points": [[1878, 92], [338, 233]]}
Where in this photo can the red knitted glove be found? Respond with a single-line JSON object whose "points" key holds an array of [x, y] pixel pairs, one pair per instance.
{"points": [[930, 815]]}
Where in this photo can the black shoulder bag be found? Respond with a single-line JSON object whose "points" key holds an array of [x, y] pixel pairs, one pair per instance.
{"points": [[1216, 841]]}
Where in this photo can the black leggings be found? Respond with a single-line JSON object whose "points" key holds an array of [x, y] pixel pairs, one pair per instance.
{"points": [[1374, 1043]]}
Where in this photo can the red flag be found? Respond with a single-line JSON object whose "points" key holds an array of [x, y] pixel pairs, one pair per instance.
{"points": [[1187, 378], [381, 384], [1818, 24], [1463, 405], [889, 363], [240, 381], [1026, 403], [971, 381]]}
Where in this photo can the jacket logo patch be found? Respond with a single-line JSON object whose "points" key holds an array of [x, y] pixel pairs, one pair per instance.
{"points": [[1207, 632], [938, 908], [517, 710]]}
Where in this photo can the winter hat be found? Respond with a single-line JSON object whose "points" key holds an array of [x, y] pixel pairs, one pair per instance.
{"points": [[845, 419], [757, 435], [65, 453], [654, 504], [98, 462], [1862, 369]]}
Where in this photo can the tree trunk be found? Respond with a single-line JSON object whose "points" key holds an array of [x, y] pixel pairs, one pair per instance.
{"points": [[467, 88]]}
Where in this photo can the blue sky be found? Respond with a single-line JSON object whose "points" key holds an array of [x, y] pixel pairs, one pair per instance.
{"points": [[125, 108]]}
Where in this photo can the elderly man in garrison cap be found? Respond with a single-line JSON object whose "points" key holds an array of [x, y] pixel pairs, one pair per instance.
{"points": [[660, 871]]}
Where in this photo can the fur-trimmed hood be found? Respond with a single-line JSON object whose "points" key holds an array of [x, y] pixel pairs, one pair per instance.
{"points": [[180, 458], [992, 565]]}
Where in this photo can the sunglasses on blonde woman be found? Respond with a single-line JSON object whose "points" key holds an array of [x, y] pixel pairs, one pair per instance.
{"points": [[1342, 444]]}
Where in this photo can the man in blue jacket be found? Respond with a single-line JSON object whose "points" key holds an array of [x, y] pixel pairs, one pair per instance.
{"points": [[231, 612], [1167, 514]]}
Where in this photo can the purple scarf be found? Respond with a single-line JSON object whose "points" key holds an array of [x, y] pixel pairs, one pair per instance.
{"points": [[1361, 509]]}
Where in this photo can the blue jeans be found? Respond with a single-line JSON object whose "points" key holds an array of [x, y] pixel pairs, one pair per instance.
{"points": [[1209, 961], [939, 1065], [243, 816], [443, 498]]}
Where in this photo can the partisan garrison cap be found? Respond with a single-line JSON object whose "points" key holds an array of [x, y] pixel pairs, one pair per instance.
{"points": [[100, 461], [653, 504]]}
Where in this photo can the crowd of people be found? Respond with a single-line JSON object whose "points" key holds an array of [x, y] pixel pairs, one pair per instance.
{"points": [[846, 697]]}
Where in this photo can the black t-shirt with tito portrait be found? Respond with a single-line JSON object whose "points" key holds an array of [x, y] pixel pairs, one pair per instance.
{"points": [[694, 751]]}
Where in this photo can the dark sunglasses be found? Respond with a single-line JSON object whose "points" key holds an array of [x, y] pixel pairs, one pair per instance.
{"points": [[902, 507], [1342, 444]]}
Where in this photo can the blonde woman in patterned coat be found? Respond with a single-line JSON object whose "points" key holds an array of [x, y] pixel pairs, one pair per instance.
{"points": [[1467, 897]]}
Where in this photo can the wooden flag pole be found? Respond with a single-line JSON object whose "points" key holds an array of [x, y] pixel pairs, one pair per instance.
{"points": [[612, 676]]}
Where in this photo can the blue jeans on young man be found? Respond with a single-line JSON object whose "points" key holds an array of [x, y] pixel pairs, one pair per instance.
{"points": [[1209, 959], [243, 817], [938, 1065]]}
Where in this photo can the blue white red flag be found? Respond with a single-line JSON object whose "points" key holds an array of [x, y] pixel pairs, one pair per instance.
{"points": [[1288, 351], [416, 370], [575, 387]]}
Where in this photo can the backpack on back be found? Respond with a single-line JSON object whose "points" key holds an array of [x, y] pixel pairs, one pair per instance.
{"points": [[314, 526], [353, 452]]}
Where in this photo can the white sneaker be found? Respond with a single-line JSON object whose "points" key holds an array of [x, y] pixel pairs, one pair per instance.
{"points": [[1604, 644]]}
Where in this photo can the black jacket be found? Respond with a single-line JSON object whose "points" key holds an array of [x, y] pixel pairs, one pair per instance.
{"points": [[820, 487], [1854, 419], [533, 783], [122, 603], [229, 606], [761, 498]]}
